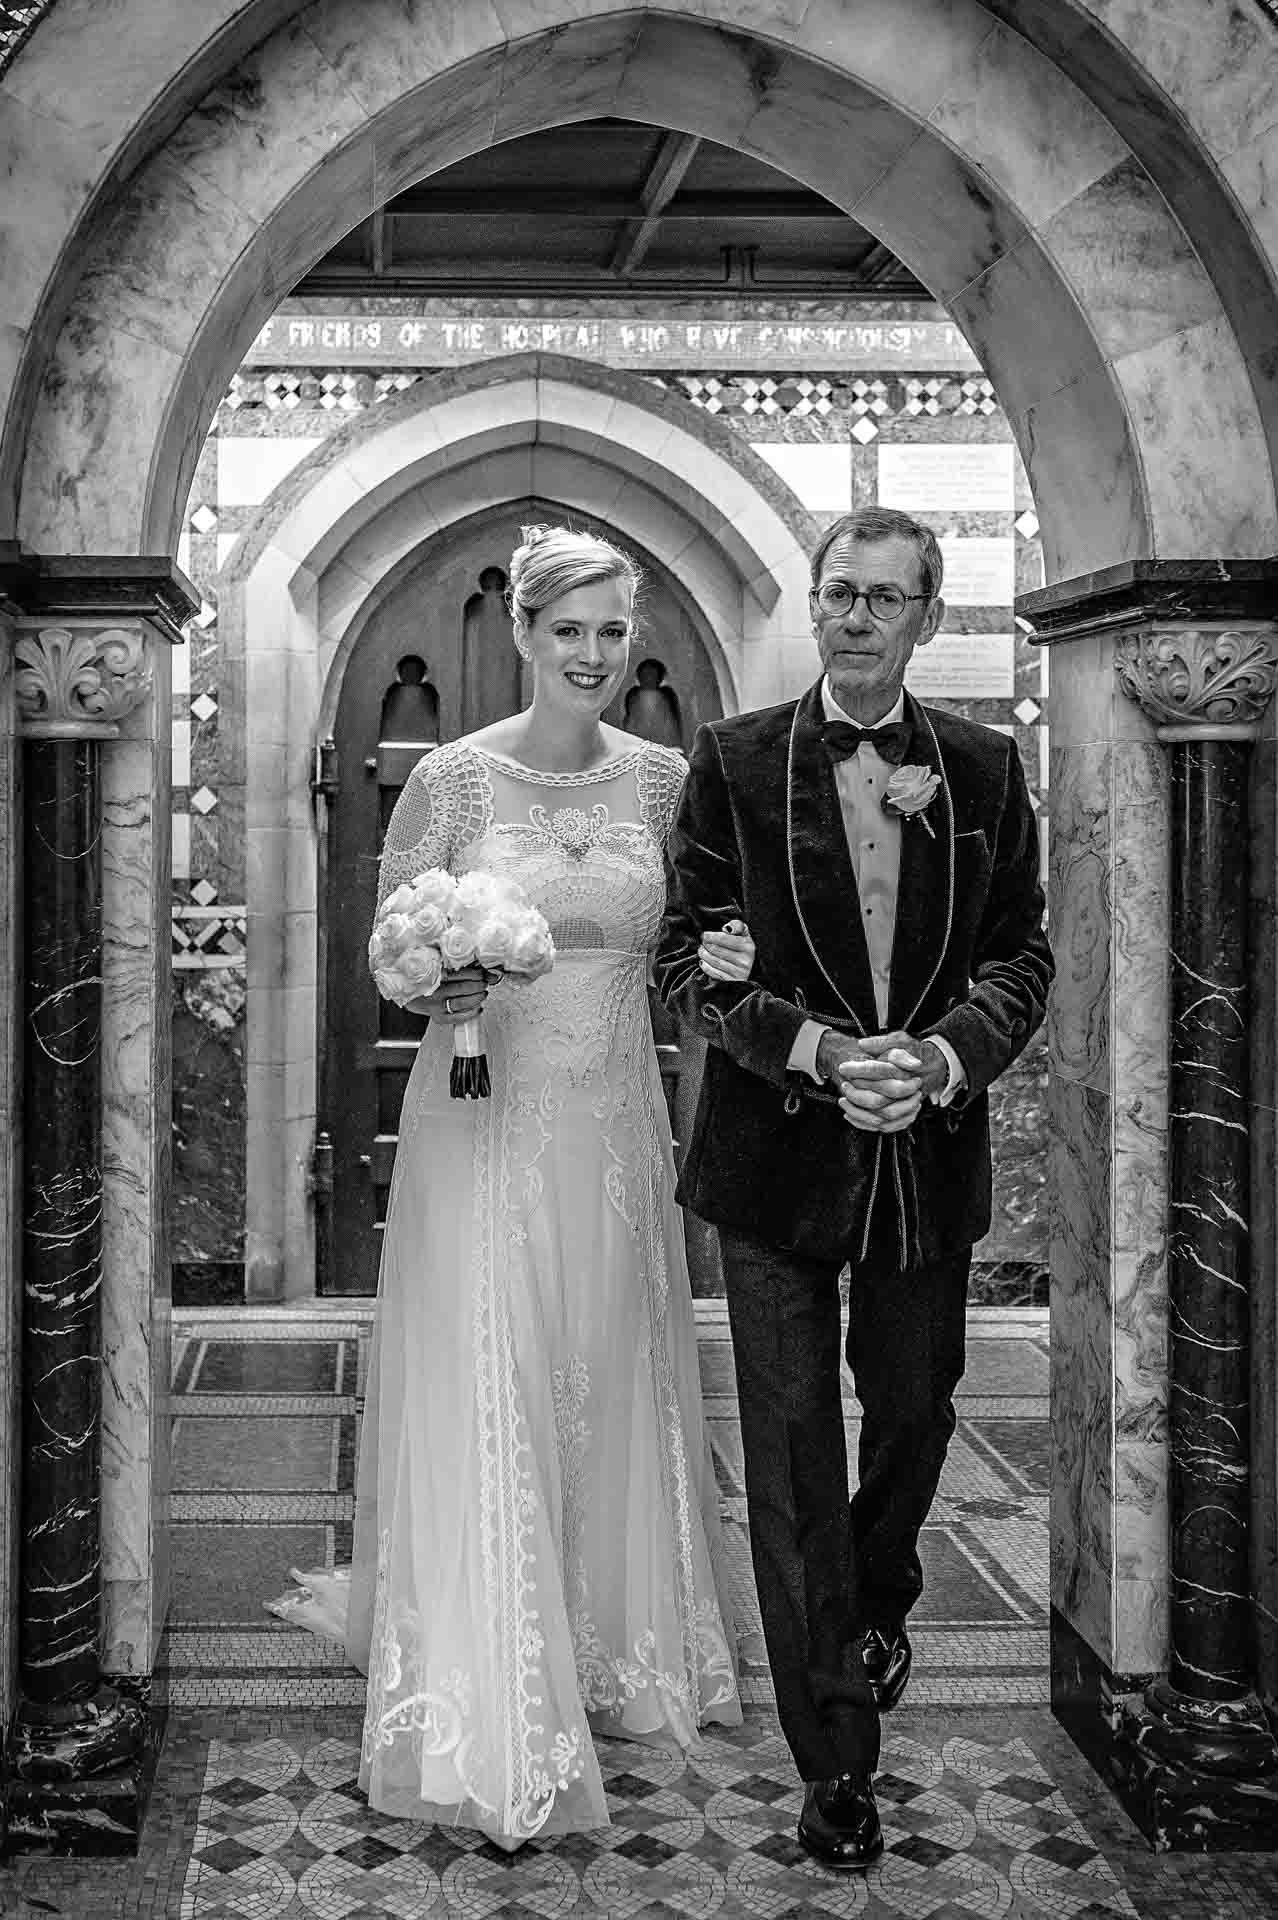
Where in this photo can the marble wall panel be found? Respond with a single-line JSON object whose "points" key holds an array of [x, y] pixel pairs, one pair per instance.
{"points": [[1081, 913], [682, 77], [1083, 1547], [207, 1221], [1083, 465], [1130, 264], [136, 1052], [376, 45], [942, 35], [32, 225], [1017, 116], [247, 138], [1139, 1046], [1185, 394], [10, 1222], [581, 71], [801, 127], [1055, 346], [1213, 57], [76, 504]]}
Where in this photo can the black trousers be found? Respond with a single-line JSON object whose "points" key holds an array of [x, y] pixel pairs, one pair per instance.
{"points": [[826, 1566]]}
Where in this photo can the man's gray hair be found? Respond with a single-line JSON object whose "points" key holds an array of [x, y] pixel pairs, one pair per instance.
{"points": [[885, 523]]}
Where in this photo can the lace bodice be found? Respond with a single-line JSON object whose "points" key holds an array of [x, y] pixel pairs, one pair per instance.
{"points": [[586, 847]]}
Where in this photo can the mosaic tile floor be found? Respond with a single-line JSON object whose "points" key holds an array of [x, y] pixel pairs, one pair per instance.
{"points": [[987, 1808]]}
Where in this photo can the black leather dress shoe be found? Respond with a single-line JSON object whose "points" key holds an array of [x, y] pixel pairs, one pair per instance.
{"points": [[839, 1825], [887, 1656]]}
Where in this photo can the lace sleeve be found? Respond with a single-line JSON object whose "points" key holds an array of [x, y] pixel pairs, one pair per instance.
{"points": [[662, 772], [440, 810]]}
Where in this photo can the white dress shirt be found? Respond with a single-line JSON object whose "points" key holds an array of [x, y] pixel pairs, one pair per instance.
{"points": [[874, 845]]}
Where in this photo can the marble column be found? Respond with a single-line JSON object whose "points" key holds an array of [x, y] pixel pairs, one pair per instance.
{"points": [[76, 1744], [91, 659], [1141, 902], [10, 1160], [1197, 1755]]}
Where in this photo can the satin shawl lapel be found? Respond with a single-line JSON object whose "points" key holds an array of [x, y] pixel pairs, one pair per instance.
{"points": [[925, 887], [821, 879]]}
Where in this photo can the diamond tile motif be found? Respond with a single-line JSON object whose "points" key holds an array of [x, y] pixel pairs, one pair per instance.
{"points": [[204, 893], [864, 430], [203, 707], [204, 519], [203, 800], [1026, 524], [1027, 712], [207, 615], [968, 1829], [208, 935]]}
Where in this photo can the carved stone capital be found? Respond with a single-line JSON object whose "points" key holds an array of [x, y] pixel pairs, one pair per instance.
{"points": [[1200, 682], [79, 684]]}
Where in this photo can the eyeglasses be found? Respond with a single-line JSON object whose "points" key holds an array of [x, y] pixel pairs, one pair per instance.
{"points": [[838, 597]]}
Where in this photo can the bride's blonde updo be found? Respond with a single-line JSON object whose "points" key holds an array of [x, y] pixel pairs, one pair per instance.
{"points": [[552, 561]]}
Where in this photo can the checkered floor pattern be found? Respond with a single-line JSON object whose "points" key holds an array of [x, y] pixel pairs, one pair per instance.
{"points": [[987, 1807], [968, 1829]]}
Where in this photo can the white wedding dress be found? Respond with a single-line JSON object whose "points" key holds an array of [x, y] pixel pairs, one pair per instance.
{"points": [[536, 1540]]}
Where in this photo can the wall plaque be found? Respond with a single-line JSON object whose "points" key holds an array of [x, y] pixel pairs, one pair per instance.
{"points": [[964, 666], [936, 478]]}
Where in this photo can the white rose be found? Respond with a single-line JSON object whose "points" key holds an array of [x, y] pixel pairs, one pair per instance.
{"points": [[422, 970], [493, 942], [911, 788], [457, 946], [389, 937], [391, 984], [403, 900], [428, 923], [434, 888]]}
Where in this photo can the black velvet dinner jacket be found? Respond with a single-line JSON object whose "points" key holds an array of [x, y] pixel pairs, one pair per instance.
{"points": [[759, 833]]}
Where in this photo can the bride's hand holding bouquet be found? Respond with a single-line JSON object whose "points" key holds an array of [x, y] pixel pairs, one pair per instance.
{"points": [[439, 943]]}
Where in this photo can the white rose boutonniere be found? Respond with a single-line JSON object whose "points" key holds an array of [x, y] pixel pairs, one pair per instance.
{"points": [[910, 791]]}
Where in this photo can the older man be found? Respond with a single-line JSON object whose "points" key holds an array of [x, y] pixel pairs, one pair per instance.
{"points": [[885, 857]]}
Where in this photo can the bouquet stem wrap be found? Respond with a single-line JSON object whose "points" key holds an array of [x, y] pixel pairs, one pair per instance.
{"points": [[468, 1077]]}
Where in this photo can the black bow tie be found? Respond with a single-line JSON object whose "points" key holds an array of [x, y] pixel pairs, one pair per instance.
{"points": [[892, 742]]}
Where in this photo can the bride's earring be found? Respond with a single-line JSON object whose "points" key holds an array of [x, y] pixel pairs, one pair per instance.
{"points": [[522, 647]]}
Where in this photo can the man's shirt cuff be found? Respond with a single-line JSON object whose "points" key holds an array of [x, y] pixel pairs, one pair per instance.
{"points": [[957, 1077], [803, 1054]]}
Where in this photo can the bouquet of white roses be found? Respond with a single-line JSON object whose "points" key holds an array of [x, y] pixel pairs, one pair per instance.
{"points": [[435, 925]]}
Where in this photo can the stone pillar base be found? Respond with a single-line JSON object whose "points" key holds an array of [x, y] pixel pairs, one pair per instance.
{"points": [[1195, 1780], [79, 1784]]}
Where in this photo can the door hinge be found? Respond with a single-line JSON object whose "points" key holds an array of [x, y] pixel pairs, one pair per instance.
{"points": [[324, 777], [320, 1183]]}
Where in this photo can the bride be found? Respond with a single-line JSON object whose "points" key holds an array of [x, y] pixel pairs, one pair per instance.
{"points": [[537, 1553]]}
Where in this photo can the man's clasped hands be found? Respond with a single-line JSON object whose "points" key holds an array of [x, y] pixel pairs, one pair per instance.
{"points": [[883, 1079]]}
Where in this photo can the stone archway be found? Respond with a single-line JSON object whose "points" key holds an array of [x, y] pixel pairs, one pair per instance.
{"points": [[1083, 185], [335, 537]]}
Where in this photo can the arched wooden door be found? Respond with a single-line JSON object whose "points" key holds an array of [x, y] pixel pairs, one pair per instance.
{"points": [[434, 661]]}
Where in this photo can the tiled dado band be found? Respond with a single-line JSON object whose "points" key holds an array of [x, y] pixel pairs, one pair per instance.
{"points": [[1191, 649], [90, 695]]}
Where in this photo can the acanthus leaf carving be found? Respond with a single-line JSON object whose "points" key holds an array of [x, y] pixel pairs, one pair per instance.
{"points": [[1204, 679], [79, 684]]}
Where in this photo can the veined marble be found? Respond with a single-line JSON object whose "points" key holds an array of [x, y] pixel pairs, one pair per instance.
{"points": [[1083, 1547], [10, 1140], [136, 1037], [1081, 854], [1186, 392]]}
